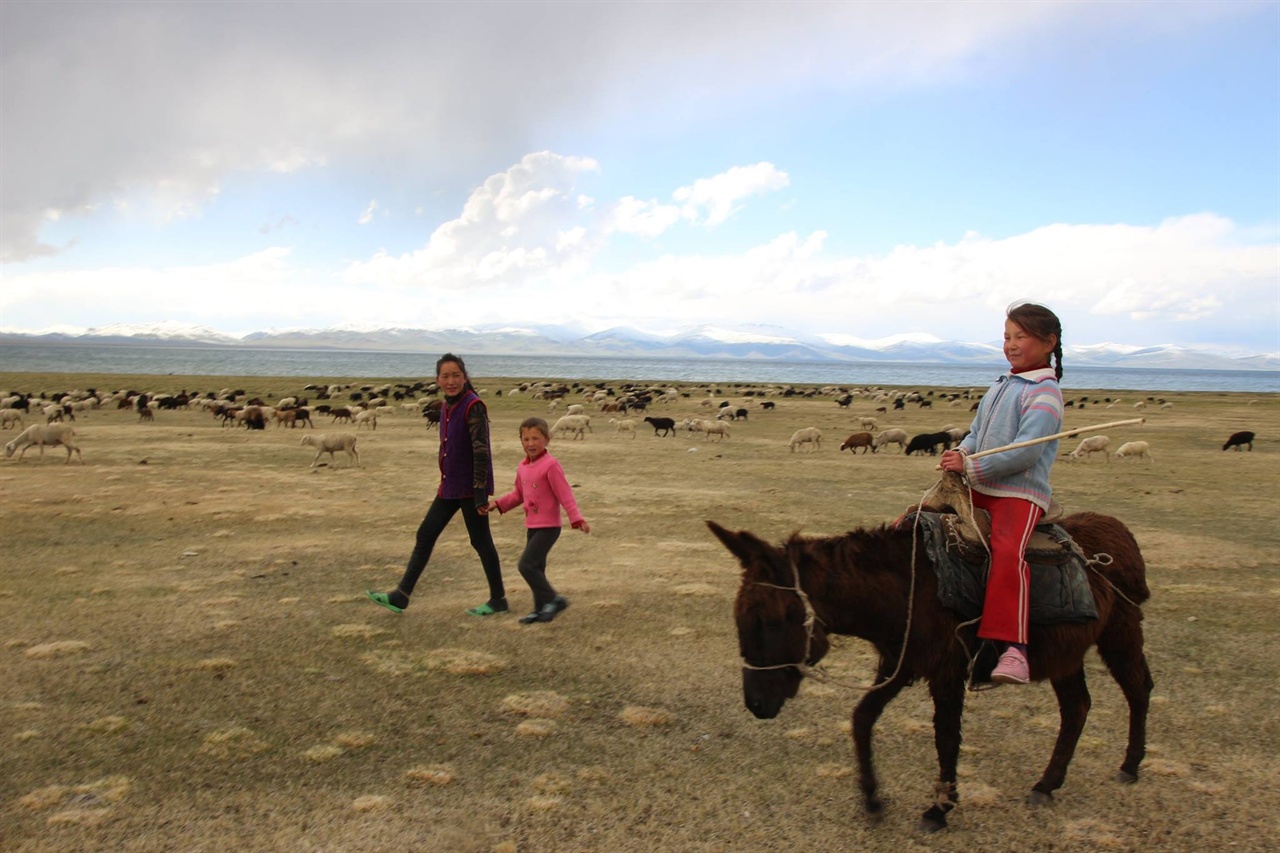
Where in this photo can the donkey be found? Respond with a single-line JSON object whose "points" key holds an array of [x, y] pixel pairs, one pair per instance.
{"points": [[875, 583]]}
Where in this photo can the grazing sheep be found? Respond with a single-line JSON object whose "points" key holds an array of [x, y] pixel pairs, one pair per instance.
{"points": [[859, 439], [578, 425], [1240, 439], [808, 435], [575, 409], [369, 418], [146, 414], [331, 444], [1135, 450], [41, 435], [710, 428], [624, 425], [768, 405], [928, 442], [867, 423], [663, 426], [1092, 444], [891, 436], [9, 416]]}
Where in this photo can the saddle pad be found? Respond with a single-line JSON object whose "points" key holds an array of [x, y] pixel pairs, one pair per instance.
{"points": [[1060, 590]]}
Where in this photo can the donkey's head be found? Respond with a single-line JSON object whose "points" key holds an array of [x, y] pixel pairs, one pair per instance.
{"points": [[778, 633]]}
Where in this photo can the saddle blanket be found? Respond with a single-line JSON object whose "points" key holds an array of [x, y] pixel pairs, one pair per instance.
{"points": [[1060, 590]]}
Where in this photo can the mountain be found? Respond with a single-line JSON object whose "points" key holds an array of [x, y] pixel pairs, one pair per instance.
{"points": [[708, 341]]}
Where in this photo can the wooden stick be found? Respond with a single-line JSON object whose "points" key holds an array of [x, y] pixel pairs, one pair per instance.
{"points": [[1068, 434]]}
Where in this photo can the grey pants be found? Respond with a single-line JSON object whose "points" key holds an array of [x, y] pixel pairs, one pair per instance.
{"points": [[533, 563]]}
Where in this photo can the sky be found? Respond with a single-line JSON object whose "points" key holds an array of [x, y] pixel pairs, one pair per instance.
{"points": [[854, 170]]}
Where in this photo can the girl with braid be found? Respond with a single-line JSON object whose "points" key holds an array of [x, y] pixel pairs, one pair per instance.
{"points": [[466, 481], [1013, 486]]}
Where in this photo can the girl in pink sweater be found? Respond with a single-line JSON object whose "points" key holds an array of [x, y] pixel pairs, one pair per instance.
{"points": [[542, 488]]}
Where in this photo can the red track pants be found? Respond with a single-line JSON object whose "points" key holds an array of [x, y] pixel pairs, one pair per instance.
{"points": [[1008, 600]]}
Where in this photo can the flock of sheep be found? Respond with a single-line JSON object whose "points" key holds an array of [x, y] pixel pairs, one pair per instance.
{"points": [[624, 405]]}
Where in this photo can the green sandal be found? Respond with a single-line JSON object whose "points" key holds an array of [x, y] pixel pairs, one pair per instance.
{"points": [[382, 599], [487, 609]]}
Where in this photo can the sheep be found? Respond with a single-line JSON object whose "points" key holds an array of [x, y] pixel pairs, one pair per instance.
{"points": [[146, 414], [42, 434], [665, 426], [957, 433], [8, 416], [331, 444], [710, 428], [891, 436], [807, 435], [1240, 439], [575, 409], [624, 425], [369, 417], [578, 425], [1141, 404], [1135, 450], [867, 423], [726, 414], [928, 442], [1092, 444], [856, 440]]}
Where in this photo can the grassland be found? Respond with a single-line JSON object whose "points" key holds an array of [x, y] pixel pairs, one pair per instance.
{"points": [[187, 660]]}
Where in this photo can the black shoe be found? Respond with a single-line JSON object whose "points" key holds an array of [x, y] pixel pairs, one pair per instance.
{"points": [[529, 619], [552, 608]]}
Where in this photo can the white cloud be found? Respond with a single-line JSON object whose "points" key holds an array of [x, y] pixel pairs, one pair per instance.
{"points": [[367, 216], [711, 201], [512, 227]]}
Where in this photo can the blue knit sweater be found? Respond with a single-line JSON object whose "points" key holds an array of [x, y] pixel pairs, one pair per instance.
{"points": [[1018, 407]]}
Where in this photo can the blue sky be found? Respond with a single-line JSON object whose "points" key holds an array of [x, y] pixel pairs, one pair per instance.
{"points": [[860, 170]]}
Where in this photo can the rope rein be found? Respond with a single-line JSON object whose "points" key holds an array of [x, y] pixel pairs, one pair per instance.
{"points": [[811, 617]]}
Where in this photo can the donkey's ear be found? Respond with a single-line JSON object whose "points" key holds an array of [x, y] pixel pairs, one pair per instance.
{"points": [[742, 544]]}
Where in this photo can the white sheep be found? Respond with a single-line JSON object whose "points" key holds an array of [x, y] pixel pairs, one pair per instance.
{"points": [[579, 425], [369, 418], [1092, 444], [575, 409], [1141, 404], [956, 433], [890, 436], [624, 425], [1135, 450], [41, 435], [9, 416], [331, 444], [807, 435], [867, 423], [710, 428]]}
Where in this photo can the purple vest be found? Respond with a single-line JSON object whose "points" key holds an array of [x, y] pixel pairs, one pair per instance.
{"points": [[457, 457]]}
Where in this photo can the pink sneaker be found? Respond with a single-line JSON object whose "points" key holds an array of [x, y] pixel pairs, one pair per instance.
{"points": [[1012, 668]]}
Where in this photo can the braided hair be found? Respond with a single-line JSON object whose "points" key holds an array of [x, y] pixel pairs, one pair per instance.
{"points": [[1039, 322]]}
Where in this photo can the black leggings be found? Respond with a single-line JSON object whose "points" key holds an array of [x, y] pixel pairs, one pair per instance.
{"points": [[533, 563], [439, 514]]}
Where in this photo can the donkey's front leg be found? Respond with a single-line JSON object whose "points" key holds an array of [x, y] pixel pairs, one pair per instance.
{"points": [[1073, 710], [865, 714], [948, 708]]}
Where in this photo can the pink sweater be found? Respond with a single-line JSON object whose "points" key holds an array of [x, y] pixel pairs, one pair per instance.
{"points": [[542, 488]]}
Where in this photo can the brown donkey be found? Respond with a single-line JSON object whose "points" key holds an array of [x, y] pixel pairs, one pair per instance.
{"points": [[860, 584]]}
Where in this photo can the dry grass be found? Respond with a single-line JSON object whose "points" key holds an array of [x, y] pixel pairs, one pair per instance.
{"points": [[187, 660]]}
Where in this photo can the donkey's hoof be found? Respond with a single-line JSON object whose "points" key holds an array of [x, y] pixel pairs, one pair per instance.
{"points": [[1126, 778], [933, 819], [929, 825], [1039, 798]]}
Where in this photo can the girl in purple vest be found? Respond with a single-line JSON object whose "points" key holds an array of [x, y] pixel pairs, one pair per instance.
{"points": [[466, 481]]}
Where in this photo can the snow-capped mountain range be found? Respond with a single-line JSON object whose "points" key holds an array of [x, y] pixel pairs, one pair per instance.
{"points": [[760, 342]]}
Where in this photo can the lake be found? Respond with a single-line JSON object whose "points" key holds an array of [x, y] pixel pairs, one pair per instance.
{"points": [[331, 364]]}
